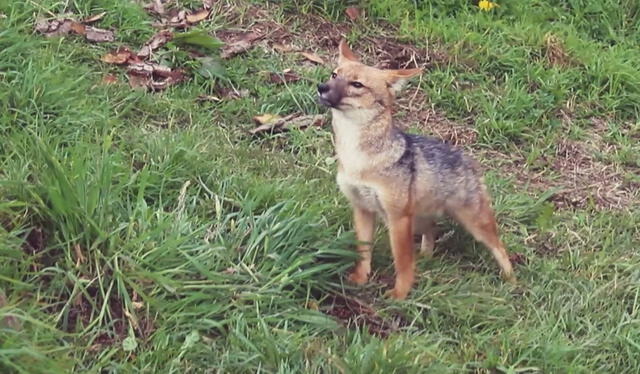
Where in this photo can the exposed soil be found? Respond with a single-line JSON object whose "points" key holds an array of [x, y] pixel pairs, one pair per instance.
{"points": [[354, 313]]}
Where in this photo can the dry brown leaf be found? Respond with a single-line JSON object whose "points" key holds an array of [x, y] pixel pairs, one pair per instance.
{"points": [[286, 76], [158, 40], [94, 34], [109, 79], [232, 94], [79, 28], [153, 76], [122, 56], [178, 20], [241, 44], [66, 26], [55, 27], [155, 6], [353, 13], [198, 15], [270, 123], [266, 119], [283, 48], [313, 57], [94, 18]]}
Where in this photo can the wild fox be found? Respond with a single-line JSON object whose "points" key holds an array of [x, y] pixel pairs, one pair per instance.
{"points": [[408, 180]]}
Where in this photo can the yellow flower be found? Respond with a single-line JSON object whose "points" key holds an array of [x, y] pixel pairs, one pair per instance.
{"points": [[487, 5]]}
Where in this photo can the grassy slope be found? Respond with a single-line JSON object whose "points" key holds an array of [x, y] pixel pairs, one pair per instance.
{"points": [[226, 272]]}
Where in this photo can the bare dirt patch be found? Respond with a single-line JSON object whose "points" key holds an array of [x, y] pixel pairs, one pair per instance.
{"points": [[354, 313], [412, 109], [555, 52], [585, 180], [321, 35]]}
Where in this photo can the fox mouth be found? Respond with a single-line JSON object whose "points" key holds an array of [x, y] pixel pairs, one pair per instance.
{"points": [[326, 102]]}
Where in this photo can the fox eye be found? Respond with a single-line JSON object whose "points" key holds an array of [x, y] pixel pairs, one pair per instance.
{"points": [[357, 84], [333, 75]]}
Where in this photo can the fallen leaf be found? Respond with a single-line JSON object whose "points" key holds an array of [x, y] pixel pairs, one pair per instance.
{"points": [[119, 57], [273, 123], [94, 18], [353, 13], [109, 79], [198, 15], [94, 34], [79, 28], [283, 48], [231, 93], [287, 76], [155, 6], [55, 27], [268, 119], [153, 76], [313, 57], [179, 20], [243, 43], [138, 80], [158, 40], [65, 26]]}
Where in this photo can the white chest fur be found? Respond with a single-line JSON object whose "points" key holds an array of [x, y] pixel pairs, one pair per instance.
{"points": [[353, 160], [347, 128]]}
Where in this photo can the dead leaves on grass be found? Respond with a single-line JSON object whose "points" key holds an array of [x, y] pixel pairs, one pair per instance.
{"points": [[65, 26], [178, 18], [313, 57], [153, 76], [354, 313], [236, 43], [353, 13], [273, 123], [158, 40], [121, 56], [144, 74], [287, 76]]}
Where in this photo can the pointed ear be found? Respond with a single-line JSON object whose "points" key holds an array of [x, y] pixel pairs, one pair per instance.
{"points": [[345, 53], [397, 78]]}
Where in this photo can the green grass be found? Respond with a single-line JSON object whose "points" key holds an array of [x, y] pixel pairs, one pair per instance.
{"points": [[207, 250]]}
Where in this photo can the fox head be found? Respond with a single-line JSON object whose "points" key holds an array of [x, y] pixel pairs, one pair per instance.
{"points": [[354, 86]]}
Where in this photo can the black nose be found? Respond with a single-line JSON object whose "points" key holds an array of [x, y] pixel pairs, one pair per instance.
{"points": [[322, 88]]}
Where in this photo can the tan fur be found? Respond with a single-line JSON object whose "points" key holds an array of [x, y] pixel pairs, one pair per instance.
{"points": [[406, 180]]}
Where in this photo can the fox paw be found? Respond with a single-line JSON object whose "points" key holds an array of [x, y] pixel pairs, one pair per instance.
{"points": [[396, 294], [358, 278]]}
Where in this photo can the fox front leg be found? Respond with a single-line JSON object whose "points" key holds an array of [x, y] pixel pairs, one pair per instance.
{"points": [[364, 222]]}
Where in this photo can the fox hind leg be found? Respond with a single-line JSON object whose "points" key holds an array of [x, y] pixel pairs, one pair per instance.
{"points": [[425, 227], [479, 220]]}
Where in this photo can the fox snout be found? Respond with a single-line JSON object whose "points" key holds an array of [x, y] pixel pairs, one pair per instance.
{"points": [[331, 93]]}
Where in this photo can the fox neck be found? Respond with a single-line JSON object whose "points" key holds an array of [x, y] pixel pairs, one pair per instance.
{"points": [[362, 137]]}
